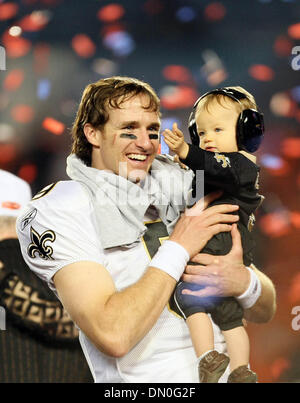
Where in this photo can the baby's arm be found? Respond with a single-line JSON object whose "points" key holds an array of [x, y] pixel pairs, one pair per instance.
{"points": [[175, 140]]}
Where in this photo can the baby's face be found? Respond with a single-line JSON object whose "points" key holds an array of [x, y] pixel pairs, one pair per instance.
{"points": [[217, 126]]}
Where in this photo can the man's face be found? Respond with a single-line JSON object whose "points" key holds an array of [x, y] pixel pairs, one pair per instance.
{"points": [[217, 126], [129, 140]]}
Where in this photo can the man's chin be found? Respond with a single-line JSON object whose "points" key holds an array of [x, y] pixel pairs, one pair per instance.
{"points": [[134, 175], [137, 175]]}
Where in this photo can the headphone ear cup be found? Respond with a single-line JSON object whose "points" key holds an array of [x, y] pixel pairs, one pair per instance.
{"points": [[250, 130], [193, 129]]}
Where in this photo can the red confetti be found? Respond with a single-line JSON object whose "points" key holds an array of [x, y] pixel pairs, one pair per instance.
{"points": [[33, 22], [15, 46], [283, 46], [8, 10], [294, 291], [274, 225], [261, 72], [22, 113], [291, 147], [13, 80], [294, 31], [215, 11], [28, 172], [83, 45], [278, 366], [111, 12], [281, 104], [295, 220], [177, 73], [53, 126], [7, 153], [283, 170], [111, 28], [179, 97]]}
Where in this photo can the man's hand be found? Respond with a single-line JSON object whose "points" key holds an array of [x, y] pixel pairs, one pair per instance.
{"points": [[221, 275], [175, 141], [200, 223]]}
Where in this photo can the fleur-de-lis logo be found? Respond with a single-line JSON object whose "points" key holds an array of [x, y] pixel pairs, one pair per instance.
{"points": [[224, 160], [38, 244], [251, 222]]}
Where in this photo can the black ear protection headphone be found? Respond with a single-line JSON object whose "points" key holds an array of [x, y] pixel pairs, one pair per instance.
{"points": [[250, 123]]}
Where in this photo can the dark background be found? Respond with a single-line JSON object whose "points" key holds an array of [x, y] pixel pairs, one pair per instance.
{"points": [[183, 49]]}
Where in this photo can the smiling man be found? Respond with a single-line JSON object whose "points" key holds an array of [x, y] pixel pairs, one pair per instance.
{"points": [[128, 143], [115, 264], [118, 129]]}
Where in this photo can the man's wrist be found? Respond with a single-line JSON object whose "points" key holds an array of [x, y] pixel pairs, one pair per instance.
{"points": [[252, 293], [171, 258]]}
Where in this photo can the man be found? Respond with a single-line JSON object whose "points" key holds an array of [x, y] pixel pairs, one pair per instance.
{"points": [[92, 240], [39, 342]]}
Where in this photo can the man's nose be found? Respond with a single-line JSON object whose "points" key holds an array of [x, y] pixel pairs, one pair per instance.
{"points": [[143, 140]]}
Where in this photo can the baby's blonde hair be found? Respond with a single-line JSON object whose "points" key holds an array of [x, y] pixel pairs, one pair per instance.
{"points": [[223, 100]]}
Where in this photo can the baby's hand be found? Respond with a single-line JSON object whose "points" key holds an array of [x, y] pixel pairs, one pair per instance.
{"points": [[175, 141]]}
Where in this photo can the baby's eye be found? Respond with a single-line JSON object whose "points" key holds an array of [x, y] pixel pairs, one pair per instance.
{"points": [[218, 129], [201, 133]]}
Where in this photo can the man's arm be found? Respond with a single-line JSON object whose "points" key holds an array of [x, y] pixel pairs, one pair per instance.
{"points": [[227, 276], [115, 321]]}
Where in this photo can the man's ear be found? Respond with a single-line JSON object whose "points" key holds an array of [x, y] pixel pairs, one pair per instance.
{"points": [[91, 134]]}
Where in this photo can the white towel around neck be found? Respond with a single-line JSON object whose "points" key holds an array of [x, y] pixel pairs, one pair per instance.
{"points": [[120, 204]]}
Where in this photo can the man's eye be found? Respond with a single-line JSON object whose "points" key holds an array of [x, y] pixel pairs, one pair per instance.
{"points": [[153, 136]]}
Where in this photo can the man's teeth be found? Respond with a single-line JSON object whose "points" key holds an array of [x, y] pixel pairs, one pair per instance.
{"points": [[138, 157]]}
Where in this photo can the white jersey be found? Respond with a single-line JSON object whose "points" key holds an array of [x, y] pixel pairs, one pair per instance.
{"points": [[59, 228]]}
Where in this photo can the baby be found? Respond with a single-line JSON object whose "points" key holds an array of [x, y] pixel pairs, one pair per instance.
{"points": [[225, 129]]}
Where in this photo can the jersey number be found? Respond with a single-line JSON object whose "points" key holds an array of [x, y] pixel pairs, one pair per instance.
{"points": [[154, 236]]}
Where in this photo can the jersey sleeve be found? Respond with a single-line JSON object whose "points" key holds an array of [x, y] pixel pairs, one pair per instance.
{"points": [[57, 229]]}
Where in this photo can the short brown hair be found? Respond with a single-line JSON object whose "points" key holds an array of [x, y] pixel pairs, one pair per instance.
{"points": [[112, 91]]}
